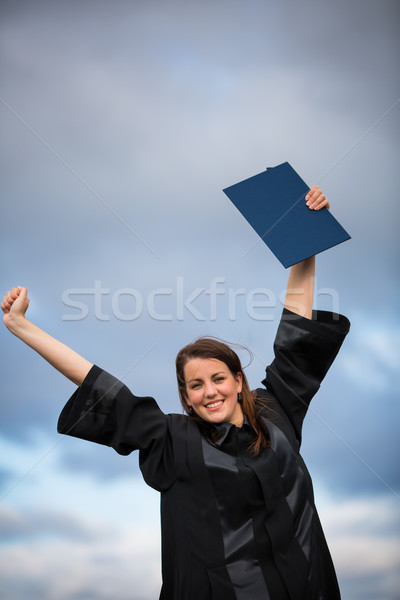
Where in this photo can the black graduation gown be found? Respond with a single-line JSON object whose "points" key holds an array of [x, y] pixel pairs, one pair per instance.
{"points": [[234, 526]]}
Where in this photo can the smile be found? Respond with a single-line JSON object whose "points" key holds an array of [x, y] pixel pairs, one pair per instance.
{"points": [[215, 404]]}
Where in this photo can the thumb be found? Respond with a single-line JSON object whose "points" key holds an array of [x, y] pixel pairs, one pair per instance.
{"points": [[22, 293], [20, 300]]}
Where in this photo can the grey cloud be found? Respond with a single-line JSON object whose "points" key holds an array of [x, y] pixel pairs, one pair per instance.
{"points": [[103, 464], [105, 565], [6, 477], [157, 123], [363, 536], [382, 586], [351, 444], [41, 523], [146, 92]]}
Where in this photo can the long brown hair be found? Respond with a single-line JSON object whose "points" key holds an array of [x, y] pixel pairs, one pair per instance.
{"points": [[207, 347]]}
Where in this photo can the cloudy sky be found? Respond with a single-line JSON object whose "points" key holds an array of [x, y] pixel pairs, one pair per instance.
{"points": [[121, 124]]}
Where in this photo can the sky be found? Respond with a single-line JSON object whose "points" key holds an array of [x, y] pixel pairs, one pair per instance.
{"points": [[122, 122]]}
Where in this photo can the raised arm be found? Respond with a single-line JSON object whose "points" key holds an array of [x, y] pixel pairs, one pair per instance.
{"points": [[69, 363], [300, 288]]}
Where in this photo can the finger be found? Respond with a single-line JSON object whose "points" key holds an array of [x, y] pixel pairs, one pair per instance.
{"points": [[316, 199], [320, 202], [10, 297], [312, 195], [311, 191], [324, 204], [5, 304], [22, 292]]}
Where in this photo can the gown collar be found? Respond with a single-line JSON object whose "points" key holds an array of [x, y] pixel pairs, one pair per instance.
{"points": [[223, 430]]}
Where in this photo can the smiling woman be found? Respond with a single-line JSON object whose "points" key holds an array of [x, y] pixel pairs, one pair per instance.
{"points": [[214, 388], [212, 391], [237, 510]]}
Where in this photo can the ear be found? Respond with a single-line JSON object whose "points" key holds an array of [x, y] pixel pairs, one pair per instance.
{"points": [[239, 381], [186, 399]]}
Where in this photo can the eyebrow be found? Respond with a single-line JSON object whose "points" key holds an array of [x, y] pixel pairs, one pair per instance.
{"points": [[199, 378]]}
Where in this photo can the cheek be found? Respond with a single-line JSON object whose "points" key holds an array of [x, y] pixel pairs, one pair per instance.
{"points": [[230, 391], [193, 397]]}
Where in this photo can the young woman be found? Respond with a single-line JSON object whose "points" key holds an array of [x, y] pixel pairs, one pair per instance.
{"points": [[237, 510]]}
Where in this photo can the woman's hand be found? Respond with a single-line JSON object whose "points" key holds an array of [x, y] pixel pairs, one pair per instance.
{"points": [[316, 200], [15, 304], [69, 363]]}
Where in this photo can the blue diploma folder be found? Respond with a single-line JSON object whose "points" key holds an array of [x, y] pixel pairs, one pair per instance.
{"points": [[274, 204]]}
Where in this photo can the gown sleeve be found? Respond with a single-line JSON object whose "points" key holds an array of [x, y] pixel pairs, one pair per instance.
{"points": [[304, 350], [104, 410]]}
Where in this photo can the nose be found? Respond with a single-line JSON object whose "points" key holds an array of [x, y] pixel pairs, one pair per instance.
{"points": [[209, 390]]}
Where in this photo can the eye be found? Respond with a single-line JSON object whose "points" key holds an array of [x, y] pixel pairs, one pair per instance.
{"points": [[218, 379], [194, 386]]}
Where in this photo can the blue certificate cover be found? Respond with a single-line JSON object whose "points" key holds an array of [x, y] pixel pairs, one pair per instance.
{"points": [[274, 204]]}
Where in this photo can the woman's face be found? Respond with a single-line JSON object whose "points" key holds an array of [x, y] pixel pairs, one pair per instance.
{"points": [[212, 390]]}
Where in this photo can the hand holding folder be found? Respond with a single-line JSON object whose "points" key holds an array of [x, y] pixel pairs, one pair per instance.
{"points": [[274, 204]]}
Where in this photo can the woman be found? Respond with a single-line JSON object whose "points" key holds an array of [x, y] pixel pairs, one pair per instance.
{"points": [[237, 510]]}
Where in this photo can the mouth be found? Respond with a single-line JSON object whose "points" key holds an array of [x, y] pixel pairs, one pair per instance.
{"points": [[214, 405]]}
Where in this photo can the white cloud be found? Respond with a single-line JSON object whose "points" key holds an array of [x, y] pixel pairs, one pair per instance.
{"points": [[83, 541], [111, 567], [364, 537], [370, 358]]}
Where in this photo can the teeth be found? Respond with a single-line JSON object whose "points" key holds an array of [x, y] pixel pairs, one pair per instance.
{"points": [[214, 404]]}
